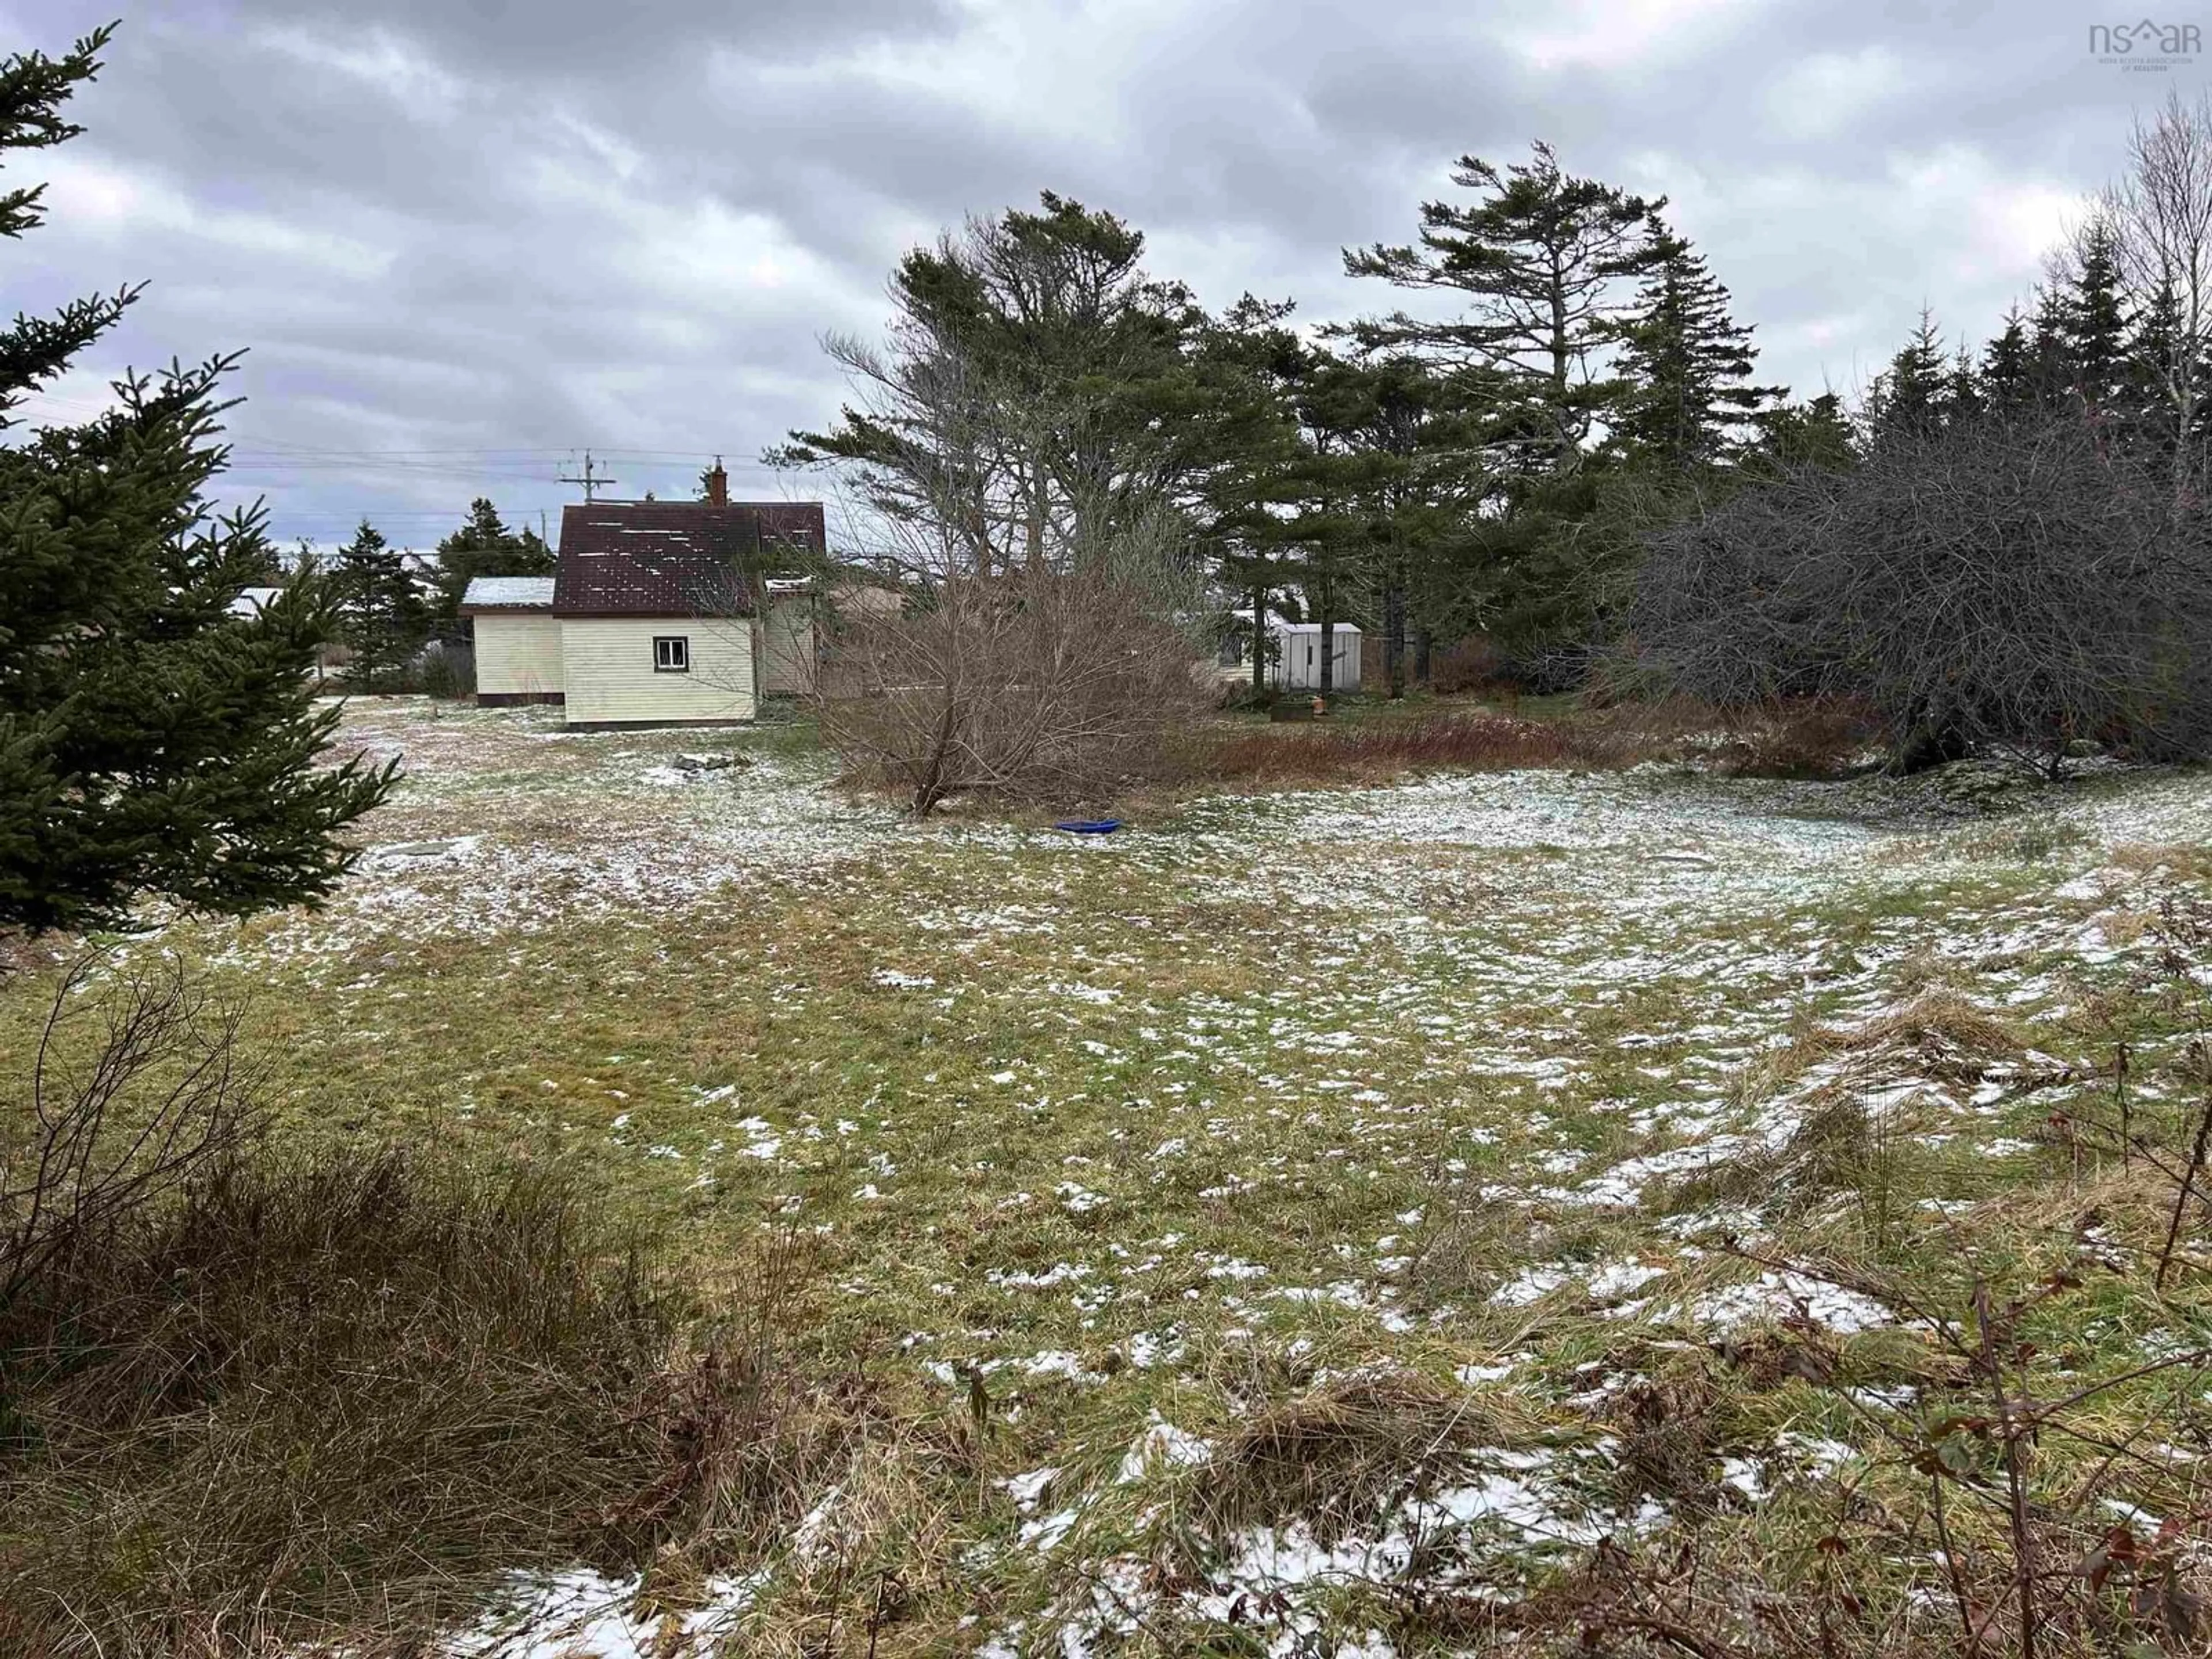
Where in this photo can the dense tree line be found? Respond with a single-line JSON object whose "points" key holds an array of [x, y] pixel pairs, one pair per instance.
{"points": [[2013, 549], [1040, 395], [1510, 463]]}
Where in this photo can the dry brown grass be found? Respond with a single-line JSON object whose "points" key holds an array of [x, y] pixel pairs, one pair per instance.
{"points": [[1943, 1034], [337, 1400], [1334, 1456], [1951, 1037], [1797, 740], [2182, 861], [1364, 752]]}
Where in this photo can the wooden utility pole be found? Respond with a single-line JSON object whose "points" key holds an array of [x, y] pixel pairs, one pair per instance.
{"points": [[590, 481]]}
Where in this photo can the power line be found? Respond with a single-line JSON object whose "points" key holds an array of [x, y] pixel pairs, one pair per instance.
{"points": [[284, 451]]}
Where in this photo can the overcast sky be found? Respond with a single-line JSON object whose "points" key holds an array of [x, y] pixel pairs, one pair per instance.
{"points": [[465, 239]]}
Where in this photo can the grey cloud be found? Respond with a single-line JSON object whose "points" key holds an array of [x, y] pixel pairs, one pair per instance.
{"points": [[475, 227]]}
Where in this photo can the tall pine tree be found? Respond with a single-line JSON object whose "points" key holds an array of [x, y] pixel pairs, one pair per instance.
{"points": [[151, 743], [1246, 499], [1544, 265], [1026, 406]]}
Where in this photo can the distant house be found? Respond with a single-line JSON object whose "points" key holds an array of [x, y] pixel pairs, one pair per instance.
{"points": [[518, 639], [660, 614], [660, 605]]}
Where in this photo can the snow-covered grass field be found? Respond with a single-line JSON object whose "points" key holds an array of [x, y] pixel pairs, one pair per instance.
{"points": [[1303, 1223]]}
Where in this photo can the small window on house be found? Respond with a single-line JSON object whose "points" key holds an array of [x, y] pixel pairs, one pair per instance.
{"points": [[672, 653]]}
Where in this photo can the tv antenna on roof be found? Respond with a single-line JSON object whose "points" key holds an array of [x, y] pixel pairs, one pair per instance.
{"points": [[590, 480]]}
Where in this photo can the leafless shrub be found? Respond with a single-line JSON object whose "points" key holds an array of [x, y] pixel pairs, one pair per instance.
{"points": [[1473, 664], [1037, 682], [163, 1091], [2012, 585]]}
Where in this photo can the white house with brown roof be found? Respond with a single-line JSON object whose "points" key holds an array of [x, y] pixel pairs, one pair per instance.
{"points": [[656, 616]]}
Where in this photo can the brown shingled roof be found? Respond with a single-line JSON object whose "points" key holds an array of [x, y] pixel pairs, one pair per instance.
{"points": [[673, 558]]}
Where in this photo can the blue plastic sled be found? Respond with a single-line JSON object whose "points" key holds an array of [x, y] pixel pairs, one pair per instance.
{"points": [[1088, 826]]}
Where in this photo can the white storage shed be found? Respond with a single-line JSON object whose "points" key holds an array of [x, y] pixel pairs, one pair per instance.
{"points": [[1297, 666], [518, 641]]}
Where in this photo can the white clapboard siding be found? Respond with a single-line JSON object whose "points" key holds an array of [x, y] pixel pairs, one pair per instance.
{"points": [[518, 655], [607, 667], [787, 656]]}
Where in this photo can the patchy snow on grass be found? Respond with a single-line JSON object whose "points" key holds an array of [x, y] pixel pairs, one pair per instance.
{"points": [[1776, 1297], [1470, 1076], [581, 1614]]}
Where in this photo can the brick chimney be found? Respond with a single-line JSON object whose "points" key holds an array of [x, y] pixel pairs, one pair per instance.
{"points": [[718, 485]]}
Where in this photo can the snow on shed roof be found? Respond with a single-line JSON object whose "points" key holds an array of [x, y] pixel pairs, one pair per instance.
{"points": [[508, 594], [250, 601]]}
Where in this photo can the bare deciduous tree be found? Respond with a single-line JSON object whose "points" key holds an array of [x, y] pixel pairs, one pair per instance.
{"points": [[2012, 585], [2160, 213]]}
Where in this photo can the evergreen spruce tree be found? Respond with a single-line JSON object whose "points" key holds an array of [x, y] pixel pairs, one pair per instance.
{"points": [[2007, 376], [2158, 382], [1964, 398], [485, 546], [1814, 434], [1911, 397], [2094, 329], [382, 617], [152, 745], [2049, 356], [1689, 403]]}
